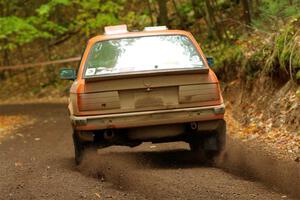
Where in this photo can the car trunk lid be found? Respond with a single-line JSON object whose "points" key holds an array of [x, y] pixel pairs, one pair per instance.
{"points": [[147, 92]]}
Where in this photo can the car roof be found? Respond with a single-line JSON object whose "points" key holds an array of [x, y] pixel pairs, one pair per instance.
{"points": [[139, 34]]}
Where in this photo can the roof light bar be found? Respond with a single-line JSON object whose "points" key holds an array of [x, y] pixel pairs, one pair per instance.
{"points": [[155, 28], [109, 30]]}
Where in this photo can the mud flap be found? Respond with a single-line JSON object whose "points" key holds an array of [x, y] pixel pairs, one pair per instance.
{"points": [[221, 135], [80, 147], [215, 141], [212, 141], [211, 144]]}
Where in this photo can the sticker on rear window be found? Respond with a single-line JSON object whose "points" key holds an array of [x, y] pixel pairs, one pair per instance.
{"points": [[90, 72], [195, 60]]}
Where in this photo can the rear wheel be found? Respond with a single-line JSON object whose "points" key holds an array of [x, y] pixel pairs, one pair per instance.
{"points": [[200, 153], [207, 146], [81, 147]]}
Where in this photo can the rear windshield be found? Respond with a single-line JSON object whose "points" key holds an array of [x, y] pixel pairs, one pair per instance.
{"points": [[142, 54]]}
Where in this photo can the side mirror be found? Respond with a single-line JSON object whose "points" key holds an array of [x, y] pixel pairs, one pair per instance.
{"points": [[210, 61], [67, 74]]}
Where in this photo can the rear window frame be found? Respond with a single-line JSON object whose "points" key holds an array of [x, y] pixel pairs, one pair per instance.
{"points": [[142, 72]]}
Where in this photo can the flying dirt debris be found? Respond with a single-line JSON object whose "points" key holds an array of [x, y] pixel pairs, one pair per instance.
{"points": [[45, 169]]}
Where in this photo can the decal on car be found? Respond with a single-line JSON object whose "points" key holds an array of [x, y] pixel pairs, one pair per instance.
{"points": [[90, 72]]}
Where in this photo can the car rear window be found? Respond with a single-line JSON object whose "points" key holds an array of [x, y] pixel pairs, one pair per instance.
{"points": [[142, 54]]}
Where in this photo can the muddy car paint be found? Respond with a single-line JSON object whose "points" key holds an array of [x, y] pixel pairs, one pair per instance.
{"points": [[155, 106], [83, 86]]}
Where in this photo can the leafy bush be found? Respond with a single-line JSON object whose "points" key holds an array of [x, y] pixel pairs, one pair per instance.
{"points": [[228, 59], [17, 31], [285, 51], [274, 13]]}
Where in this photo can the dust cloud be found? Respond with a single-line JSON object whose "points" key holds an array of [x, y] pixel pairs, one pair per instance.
{"points": [[126, 169], [250, 161]]}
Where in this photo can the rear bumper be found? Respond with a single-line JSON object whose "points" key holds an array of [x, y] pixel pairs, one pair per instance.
{"points": [[148, 118]]}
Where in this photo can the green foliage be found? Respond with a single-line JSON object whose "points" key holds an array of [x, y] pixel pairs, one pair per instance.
{"points": [[48, 22], [254, 64], [46, 9], [274, 13], [278, 55], [137, 20], [44, 12], [225, 54], [89, 16], [228, 59], [16, 31], [186, 10], [285, 52], [94, 14], [298, 75], [279, 8]]}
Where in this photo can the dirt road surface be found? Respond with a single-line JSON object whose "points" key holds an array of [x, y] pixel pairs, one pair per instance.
{"points": [[39, 164]]}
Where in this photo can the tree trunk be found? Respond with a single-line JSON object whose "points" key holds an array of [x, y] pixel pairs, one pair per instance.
{"points": [[197, 10], [212, 25], [150, 13], [246, 10], [6, 61], [183, 23], [163, 13]]}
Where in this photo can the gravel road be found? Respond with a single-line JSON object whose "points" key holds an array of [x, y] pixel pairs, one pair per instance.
{"points": [[39, 165]]}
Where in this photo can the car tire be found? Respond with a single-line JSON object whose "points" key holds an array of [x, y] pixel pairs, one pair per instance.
{"points": [[80, 148], [199, 153], [207, 147]]}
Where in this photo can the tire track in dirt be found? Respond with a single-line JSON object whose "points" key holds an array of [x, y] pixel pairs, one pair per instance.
{"points": [[169, 172], [164, 172]]}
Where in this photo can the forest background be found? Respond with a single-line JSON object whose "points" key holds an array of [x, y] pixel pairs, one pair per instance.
{"points": [[247, 38]]}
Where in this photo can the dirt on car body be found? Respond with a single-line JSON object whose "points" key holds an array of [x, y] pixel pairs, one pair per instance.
{"points": [[154, 85]]}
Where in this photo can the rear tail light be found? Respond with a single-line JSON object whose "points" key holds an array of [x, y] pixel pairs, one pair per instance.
{"points": [[198, 93], [98, 101]]}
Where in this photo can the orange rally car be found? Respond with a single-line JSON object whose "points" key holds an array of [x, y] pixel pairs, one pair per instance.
{"points": [[149, 86]]}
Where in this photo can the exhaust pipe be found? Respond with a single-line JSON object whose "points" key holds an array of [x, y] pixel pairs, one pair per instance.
{"points": [[109, 134], [194, 125]]}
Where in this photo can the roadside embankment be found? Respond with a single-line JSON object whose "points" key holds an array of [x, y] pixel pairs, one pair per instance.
{"points": [[264, 133]]}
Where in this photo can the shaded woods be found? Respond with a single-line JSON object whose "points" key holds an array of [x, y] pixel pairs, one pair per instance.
{"points": [[246, 37]]}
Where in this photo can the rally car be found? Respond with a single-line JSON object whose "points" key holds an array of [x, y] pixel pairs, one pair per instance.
{"points": [[154, 85]]}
